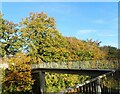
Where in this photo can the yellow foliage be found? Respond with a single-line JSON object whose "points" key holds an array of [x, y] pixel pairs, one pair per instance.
{"points": [[18, 75]]}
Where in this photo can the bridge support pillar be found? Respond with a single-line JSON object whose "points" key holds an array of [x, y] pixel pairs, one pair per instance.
{"points": [[98, 87], [42, 81], [39, 84]]}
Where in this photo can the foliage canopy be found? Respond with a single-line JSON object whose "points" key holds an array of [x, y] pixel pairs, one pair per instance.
{"points": [[35, 40]]}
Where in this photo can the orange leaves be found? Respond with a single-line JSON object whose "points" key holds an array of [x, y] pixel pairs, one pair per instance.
{"points": [[18, 74], [84, 50]]}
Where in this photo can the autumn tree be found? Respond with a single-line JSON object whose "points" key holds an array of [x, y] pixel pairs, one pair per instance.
{"points": [[10, 42], [94, 50], [84, 50], [18, 75], [42, 39]]}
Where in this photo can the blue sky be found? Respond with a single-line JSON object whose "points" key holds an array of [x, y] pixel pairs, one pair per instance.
{"points": [[98, 21], [60, 0]]}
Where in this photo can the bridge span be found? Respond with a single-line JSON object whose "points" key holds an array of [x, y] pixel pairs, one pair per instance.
{"points": [[96, 70]]}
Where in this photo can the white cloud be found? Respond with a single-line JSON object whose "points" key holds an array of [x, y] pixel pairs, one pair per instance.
{"points": [[99, 21], [107, 35], [86, 31]]}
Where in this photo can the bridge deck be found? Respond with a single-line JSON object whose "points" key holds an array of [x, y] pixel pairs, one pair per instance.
{"points": [[78, 65]]}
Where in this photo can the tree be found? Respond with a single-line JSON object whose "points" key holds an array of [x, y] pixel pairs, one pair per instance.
{"points": [[112, 52], [94, 49], [84, 50], [42, 39], [18, 75], [10, 42]]}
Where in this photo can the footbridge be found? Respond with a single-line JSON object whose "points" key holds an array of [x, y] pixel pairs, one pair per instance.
{"points": [[97, 70]]}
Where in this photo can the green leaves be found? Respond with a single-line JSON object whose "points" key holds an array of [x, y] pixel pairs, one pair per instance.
{"points": [[10, 41], [58, 82]]}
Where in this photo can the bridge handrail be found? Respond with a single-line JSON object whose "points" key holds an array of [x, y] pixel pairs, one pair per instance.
{"points": [[86, 82], [78, 65]]}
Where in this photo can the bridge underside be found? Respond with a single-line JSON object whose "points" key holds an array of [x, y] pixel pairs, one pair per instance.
{"points": [[89, 72]]}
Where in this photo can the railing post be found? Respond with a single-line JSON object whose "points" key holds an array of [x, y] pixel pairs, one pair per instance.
{"points": [[84, 91], [89, 86], [98, 87], [81, 89], [92, 85]]}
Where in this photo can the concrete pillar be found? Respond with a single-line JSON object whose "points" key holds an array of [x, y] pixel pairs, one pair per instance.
{"points": [[42, 81], [98, 87], [39, 84]]}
